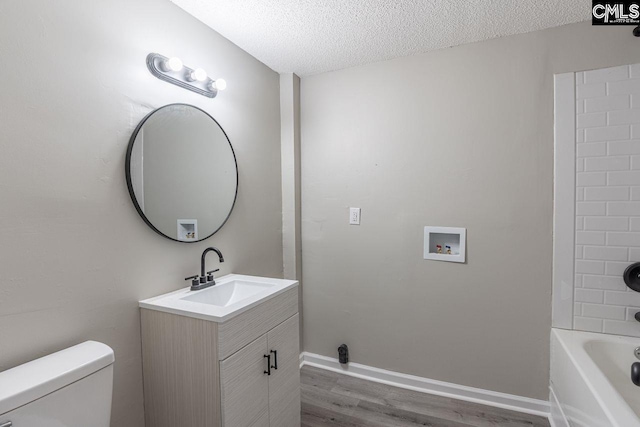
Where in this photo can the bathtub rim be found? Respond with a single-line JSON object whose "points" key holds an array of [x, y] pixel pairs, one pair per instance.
{"points": [[573, 344]]}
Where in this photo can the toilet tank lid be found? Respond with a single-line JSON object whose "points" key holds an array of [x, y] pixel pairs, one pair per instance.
{"points": [[33, 380]]}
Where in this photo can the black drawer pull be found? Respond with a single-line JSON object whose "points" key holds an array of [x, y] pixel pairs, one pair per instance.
{"points": [[268, 371], [275, 359]]}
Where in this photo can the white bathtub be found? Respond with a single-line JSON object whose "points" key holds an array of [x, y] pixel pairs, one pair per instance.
{"points": [[591, 380]]}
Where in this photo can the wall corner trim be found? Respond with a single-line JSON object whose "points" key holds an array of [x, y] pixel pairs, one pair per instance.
{"points": [[564, 196], [425, 385], [290, 167]]}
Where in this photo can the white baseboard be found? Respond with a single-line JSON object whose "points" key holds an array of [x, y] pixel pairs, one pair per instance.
{"points": [[425, 385]]}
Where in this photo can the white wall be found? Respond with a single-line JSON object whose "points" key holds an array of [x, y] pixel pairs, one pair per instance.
{"points": [[457, 137], [607, 198], [75, 257]]}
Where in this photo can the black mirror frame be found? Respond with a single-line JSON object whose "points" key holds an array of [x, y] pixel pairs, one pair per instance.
{"points": [[127, 170]]}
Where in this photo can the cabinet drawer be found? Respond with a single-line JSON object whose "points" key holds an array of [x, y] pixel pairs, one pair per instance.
{"points": [[246, 327]]}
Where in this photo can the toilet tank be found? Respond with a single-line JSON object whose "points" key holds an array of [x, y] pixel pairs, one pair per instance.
{"points": [[70, 388]]}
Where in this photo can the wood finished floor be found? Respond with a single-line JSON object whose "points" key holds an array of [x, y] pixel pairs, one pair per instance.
{"points": [[331, 399]]}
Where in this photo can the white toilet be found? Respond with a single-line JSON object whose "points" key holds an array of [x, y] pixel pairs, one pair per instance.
{"points": [[70, 388]]}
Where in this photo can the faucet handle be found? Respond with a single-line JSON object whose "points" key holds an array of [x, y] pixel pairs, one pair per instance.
{"points": [[210, 274], [194, 280]]}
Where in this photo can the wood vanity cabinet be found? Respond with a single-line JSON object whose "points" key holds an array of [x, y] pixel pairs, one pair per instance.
{"points": [[199, 373]]}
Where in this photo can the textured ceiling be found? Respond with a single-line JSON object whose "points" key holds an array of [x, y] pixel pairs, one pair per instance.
{"points": [[308, 37]]}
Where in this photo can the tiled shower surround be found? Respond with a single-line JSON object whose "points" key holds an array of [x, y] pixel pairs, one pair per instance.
{"points": [[607, 235]]}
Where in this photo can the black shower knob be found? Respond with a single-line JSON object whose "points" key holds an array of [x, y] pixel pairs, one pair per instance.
{"points": [[632, 276]]}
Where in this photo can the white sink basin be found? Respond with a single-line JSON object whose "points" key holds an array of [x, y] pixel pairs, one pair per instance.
{"points": [[230, 296], [229, 293]]}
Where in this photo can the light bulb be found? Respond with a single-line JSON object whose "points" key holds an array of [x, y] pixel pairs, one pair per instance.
{"points": [[220, 84], [199, 75], [217, 85], [173, 64]]}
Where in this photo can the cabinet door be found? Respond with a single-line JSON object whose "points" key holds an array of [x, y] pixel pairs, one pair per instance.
{"points": [[244, 386], [284, 382]]}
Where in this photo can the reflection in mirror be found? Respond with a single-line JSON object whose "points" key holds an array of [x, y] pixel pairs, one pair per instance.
{"points": [[182, 173]]}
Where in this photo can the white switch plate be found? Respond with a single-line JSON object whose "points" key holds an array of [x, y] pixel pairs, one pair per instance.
{"points": [[354, 216]]}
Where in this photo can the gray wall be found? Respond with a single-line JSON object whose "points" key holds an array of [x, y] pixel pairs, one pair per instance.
{"points": [[457, 137], [75, 257]]}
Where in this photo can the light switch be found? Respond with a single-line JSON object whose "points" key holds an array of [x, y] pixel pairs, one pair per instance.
{"points": [[354, 216]]}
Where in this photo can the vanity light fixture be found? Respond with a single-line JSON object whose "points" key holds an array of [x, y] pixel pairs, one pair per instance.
{"points": [[172, 70]]}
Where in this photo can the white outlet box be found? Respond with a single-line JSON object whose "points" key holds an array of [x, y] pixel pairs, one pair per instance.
{"points": [[354, 216], [188, 230], [449, 239]]}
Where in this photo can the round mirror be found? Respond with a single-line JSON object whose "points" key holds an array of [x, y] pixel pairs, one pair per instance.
{"points": [[182, 173]]}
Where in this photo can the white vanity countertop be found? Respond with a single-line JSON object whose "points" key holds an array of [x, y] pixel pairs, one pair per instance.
{"points": [[231, 295]]}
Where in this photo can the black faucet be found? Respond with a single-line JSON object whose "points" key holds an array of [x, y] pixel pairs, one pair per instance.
{"points": [[204, 254], [205, 281]]}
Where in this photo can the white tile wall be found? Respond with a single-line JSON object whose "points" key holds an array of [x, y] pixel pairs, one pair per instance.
{"points": [[607, 199]]}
